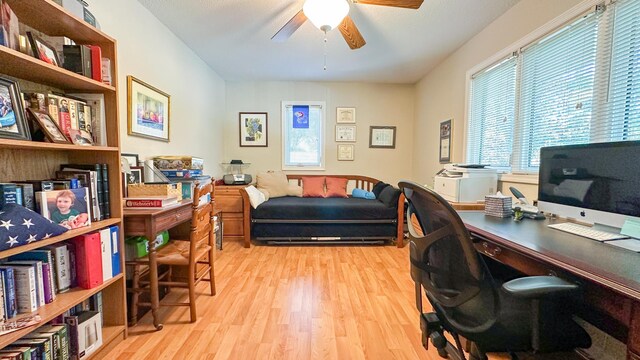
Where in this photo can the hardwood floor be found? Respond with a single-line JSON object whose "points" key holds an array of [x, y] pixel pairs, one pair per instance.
{"points": [[312, 302], [292, 303]]}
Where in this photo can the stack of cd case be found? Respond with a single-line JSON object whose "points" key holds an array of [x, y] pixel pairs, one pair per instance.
{"points": [[497, 205]]}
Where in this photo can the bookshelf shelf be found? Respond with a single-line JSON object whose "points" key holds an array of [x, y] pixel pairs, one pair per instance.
{"points": [[36, 145], [23, 66], [54, 20], [66, 236], [38, 160], [63, 302]]}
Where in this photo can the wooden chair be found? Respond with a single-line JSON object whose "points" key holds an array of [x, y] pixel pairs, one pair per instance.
{"points": [[197, 249]]}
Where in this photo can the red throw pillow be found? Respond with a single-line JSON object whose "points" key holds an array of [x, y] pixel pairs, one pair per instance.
{"points": [[313, 186], [336, 187]]}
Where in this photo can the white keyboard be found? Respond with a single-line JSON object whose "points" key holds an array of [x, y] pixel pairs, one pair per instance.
{"points": [[587, 232]]}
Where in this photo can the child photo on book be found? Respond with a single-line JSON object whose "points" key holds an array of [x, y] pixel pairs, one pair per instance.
{"points": [[66, 207]]}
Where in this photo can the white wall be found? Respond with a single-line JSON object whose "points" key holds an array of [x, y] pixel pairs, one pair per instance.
{"points": [[148, 50], [376, 104], [440, 95]]}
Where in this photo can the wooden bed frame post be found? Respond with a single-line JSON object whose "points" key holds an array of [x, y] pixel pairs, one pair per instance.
{"points": [[246, 217]]}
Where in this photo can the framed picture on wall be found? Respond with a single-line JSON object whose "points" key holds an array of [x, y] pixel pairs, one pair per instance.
{"points": [[253, 129], [345, 115], [346, 152], [148, 110], [445, 141], [383, 137], [345, 133]]}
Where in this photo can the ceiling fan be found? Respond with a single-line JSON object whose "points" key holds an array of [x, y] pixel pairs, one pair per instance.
{"points": [[328, 14]]}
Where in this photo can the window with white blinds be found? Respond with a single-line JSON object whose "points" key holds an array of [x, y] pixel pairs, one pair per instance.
{"points": [[556, 91], [623, 101], [491, 114], [578, 84]]}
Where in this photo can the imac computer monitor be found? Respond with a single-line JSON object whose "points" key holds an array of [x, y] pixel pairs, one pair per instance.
{"points": [[595, 183]]}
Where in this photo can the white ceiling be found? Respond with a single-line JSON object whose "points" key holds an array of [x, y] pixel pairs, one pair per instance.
{"points": [[234, 38]]}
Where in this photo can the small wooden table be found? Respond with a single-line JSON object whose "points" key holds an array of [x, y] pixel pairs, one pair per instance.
{"points": [[148, 223]]}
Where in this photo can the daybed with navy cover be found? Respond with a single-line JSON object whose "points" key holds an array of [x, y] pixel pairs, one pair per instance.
{"points": [[289, 218]]}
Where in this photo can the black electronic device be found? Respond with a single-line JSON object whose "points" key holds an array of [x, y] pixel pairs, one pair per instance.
{"points": [[595, 183]]}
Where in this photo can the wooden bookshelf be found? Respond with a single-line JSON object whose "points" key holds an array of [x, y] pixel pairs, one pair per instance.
{"points": [[24, 160], [62, 303]]}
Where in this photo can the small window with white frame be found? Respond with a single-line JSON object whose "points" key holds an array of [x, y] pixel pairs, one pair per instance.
{"points": [[303, 135]]}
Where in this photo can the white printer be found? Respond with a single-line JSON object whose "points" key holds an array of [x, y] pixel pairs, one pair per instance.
{"points": [[466, 183]]}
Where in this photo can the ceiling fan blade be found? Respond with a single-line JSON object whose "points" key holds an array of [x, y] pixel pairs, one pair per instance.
{"points": [[290, 27], [409, 4], [351, 34]]}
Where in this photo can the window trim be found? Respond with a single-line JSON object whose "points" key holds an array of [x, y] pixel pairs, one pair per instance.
{"points": [[323, 121], [555, 24]]}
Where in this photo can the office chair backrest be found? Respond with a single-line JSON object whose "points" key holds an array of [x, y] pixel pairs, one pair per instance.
{"points": [[445, 262]]}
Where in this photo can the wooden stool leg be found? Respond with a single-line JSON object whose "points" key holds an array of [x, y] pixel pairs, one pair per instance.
{"points": [[212, 278], [136, 294], [192, 292]]}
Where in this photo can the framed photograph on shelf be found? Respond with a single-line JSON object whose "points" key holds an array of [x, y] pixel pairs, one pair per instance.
{"points": [[136, 176], [80, 137], [132, 159], [253, 129], [445, 141], [13, 124], [383, 137], [48, 126], [345, 115], [148, 110], [346, 152], [42, 50], [345, 133]]}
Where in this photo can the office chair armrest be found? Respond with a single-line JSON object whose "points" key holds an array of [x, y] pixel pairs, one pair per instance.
{"points": [[535, 287]]}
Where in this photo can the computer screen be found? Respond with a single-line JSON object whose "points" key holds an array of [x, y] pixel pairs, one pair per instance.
{"points": [[597, 183]]}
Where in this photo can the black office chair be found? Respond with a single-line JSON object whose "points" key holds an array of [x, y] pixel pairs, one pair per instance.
{"points": [[525, 314]]}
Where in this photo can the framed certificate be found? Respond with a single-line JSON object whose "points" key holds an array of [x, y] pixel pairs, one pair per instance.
{"points": [[346, 152], [382, 137], [345, 133]]}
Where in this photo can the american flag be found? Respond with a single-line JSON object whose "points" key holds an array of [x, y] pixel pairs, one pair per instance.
{"points": [[21, 226]]}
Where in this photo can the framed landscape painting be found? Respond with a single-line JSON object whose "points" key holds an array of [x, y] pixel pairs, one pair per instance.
{"points": [[148, 110], [253, 129]]}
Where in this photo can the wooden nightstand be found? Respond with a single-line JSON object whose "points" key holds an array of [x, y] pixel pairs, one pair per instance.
{"points": [[229, 201]]}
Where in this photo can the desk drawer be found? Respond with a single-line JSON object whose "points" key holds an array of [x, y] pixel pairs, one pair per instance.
{"points": [[512, 258], [171, 218]]}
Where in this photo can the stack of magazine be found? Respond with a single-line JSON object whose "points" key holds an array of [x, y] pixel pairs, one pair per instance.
{"points": [[497, 205]]}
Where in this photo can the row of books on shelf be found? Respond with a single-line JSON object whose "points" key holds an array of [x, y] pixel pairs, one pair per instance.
{"points": [[59, 51], [32, 279], [85, 187], [79, 118], [73, 335]]}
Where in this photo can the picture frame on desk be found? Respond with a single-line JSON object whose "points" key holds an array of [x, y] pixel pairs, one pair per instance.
{"points": [[132, 159], [13, 124], [47, 126]]}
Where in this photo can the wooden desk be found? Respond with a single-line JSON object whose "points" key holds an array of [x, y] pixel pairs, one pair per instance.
{"points": [[610, 276], [148, 223]]}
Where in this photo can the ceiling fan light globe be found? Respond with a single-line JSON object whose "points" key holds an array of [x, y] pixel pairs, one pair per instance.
{"points": [[326, 14]]}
